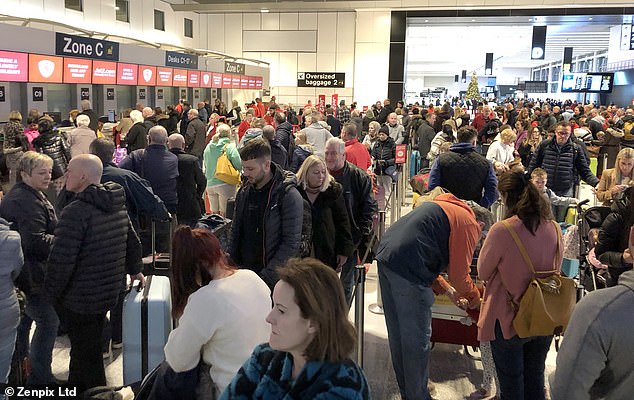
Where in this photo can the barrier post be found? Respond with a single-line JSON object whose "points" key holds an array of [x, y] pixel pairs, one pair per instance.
{"points": [[359, 301], [377, 308], [400, 195], [393, 202]]}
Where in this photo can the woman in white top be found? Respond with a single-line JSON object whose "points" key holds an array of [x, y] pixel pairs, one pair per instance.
{"points": [[502, 151], [221, 310]]}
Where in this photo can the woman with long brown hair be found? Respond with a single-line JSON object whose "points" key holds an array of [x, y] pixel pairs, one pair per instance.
{"points": [[519, 362], [221, 310]]}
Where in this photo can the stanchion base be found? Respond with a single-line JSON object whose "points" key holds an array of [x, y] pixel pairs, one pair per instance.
{"points": [[375, 309]]}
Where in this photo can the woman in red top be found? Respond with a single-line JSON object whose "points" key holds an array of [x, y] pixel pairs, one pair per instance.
{"points": [[519, 362]]}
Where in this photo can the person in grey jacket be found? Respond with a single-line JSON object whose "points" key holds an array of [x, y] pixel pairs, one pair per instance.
{"points": [[195, 135], [595, 359], [12, 260], [317, 135]]}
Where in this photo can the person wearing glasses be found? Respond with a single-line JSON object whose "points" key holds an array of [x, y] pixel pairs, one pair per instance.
{"points": [[565, 163]]}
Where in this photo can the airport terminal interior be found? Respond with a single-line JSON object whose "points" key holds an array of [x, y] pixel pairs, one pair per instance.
{"points": [[118, 54]]}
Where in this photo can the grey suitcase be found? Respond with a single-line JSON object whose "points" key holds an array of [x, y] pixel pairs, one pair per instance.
{"points": [[147, 323]]}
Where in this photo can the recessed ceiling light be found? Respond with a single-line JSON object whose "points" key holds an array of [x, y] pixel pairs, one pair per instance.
{"points": [[264, 10], [426, 20], [590, 19], [116, 8], [473, 20]]}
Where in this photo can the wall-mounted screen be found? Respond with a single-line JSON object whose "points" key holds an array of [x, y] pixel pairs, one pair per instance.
{"points": [[77, 70], [193, 78], [164, 76], [104, 72], [127, 74], [592, 82], [216, 80], [205, 79], [48, 69], [147, 75], [13, 66], [179, 77]]}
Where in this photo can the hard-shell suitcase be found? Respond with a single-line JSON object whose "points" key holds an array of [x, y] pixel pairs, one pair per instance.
{"points": [[414, 163], [147, 323], [159, 263]]}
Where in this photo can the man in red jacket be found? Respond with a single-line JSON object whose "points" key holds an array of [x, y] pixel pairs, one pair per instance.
{"points": [[260, 112], [246, 124], [356, 153]]}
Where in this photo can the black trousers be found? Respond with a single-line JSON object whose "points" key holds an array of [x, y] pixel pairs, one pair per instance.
{"points": [[86, 362]]}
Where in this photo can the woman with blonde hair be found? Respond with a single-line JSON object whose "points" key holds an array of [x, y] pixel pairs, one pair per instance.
{"points": [[219, 191], [332, 238], [615, 180], [502, 152], [371, 137]]}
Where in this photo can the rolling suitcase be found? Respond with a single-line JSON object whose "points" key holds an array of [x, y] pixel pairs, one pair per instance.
{"points": [[414, 163], [159, 263], [147, 323]]}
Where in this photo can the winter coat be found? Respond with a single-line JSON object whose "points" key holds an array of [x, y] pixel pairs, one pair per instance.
{"points": [[384, 155], [79, 140], [358, 154], [55, 146], [190, 186], [466, 174], [366, 123], [139, 197], [33, 216], [613, 237], [599, 337], [12, 261], [424, 136], [564, 164], [331, 226], [279, 155], [212, 153], [360, 203], [136, 138], [94, 247], [195, 138], [160, 168], [150, 122], [316, 136], [284, 133], [14, 139], [335, 125], [282, 223], [300, 153]]}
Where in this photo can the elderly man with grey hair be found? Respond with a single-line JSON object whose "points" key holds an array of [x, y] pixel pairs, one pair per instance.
{"points": [[360, 204], [149, 118], [86, 108], [317, 134], [159, 167], [79, 139]]}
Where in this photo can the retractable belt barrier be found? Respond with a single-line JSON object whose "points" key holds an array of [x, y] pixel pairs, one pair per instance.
{"points": [[377, 308]]}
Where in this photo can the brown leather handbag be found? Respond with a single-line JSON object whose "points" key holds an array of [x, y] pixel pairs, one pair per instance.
{"points": [[547, 303]]}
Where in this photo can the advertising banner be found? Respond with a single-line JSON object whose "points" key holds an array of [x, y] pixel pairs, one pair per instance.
{"points": [[77, 70], [179, 78], [104, 72], [164, 76], [147, 75], [49, 69], [321, 103], [127, 74]]}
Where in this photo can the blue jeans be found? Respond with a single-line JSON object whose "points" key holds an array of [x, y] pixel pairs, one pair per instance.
{"points": [[348, 276], [520, 365], [41, 352], [407, 308]]}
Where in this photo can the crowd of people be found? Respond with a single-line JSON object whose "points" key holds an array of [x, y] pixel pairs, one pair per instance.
{"points": [[302, 187]]}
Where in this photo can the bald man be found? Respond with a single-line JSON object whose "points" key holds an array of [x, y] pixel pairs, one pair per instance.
{"points": [[190, 184], [87, 265]]}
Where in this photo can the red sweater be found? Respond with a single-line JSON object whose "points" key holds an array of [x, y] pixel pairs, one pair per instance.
{"points": [[358, 154]]}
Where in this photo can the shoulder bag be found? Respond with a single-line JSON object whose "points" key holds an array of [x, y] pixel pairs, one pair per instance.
{"points": [[225, 171], [547, 303]]}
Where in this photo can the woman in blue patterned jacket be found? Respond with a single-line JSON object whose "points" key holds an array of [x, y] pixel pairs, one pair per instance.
{"points": [[310, 342]]}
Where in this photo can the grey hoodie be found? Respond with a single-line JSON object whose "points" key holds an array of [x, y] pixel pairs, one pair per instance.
{"points": [[596, 360]]}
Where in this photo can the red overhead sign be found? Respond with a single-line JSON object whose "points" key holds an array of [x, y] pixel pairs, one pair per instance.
{"points": [[77, 70], [252, 82], [216, 80], [193, 78], [104, 72], [13, 66], [258, 82], [147, 75], [127, 74], [235, 81], [244, 82], [164, 76], [205, 79], [46, 69], [227, 81], [179, 77]]}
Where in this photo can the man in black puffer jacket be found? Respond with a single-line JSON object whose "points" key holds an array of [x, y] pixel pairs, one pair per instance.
{"points": [[93, 248], [268, 223], [564, 162]]}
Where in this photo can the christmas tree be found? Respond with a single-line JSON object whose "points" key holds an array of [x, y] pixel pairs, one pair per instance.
{"points": [[472, 90]]}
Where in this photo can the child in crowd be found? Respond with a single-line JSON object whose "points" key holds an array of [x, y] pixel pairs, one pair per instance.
{"points": [[539, 178]]}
